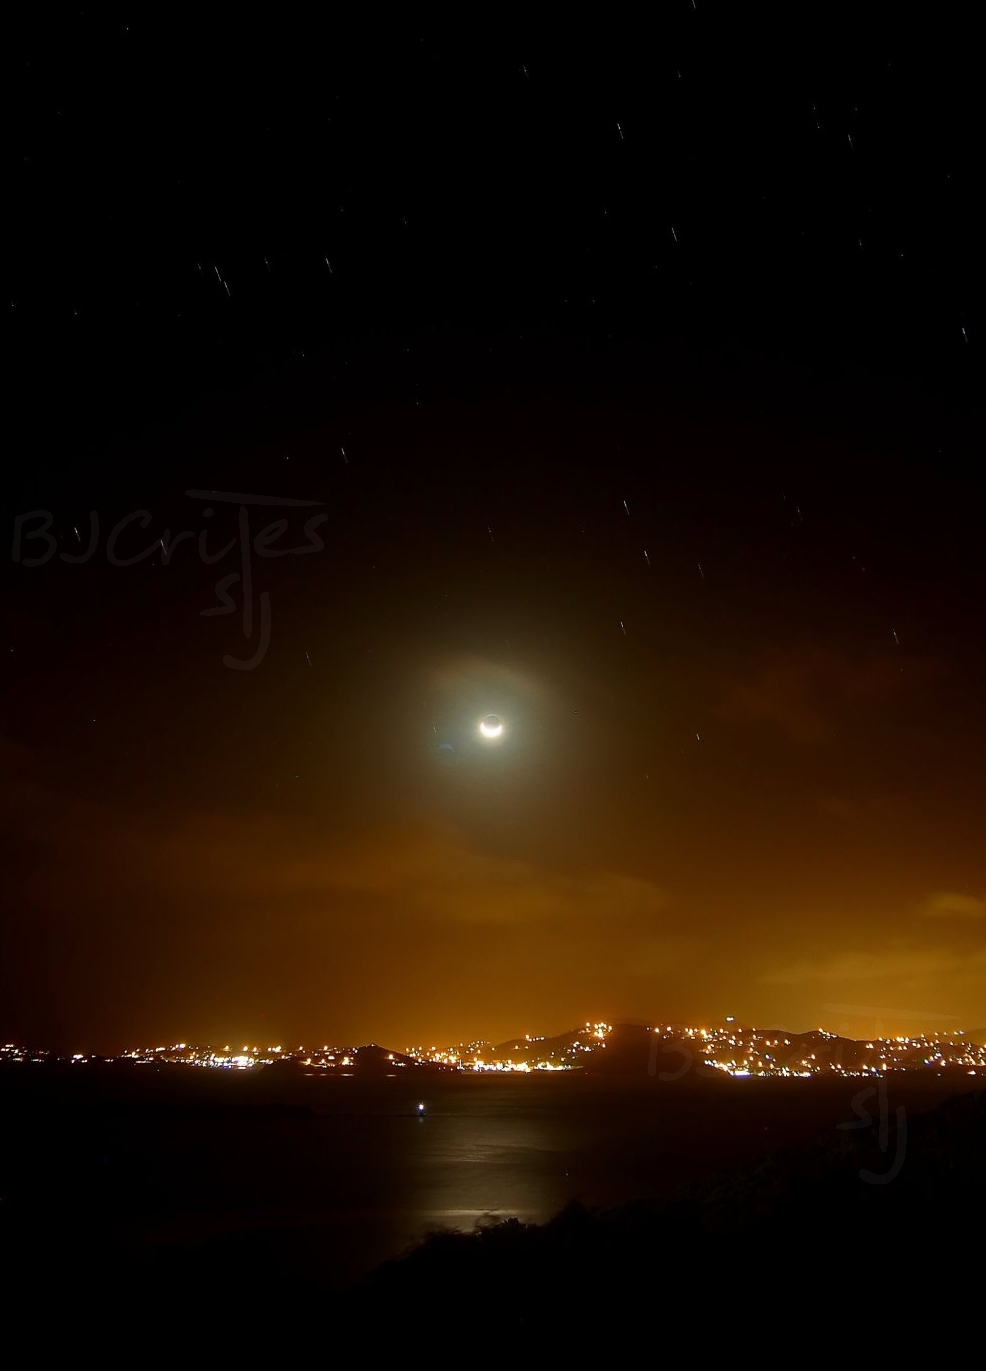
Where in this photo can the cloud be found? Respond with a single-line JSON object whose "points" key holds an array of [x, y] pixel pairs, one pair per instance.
{"points": [[430, 869], [869, 966], [807, 690], [953, 904], [476, 679], [429, 873], [882, 813], [869, 1011]]}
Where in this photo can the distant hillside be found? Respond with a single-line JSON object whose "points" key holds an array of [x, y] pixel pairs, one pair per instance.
{"points": [[667, 1051], [572, 1049], [368, 1060]]}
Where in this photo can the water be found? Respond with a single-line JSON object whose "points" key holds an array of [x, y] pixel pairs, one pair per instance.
{"points": [[355, 1176]]}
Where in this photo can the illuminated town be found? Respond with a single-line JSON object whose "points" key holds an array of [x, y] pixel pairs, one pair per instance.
{"points": [[670, 1051]]}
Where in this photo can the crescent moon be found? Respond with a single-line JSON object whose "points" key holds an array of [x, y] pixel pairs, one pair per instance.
{"points": [[491, 727]]}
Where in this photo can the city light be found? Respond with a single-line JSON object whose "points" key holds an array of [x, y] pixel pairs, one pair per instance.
{"points": [[741, 1053]]}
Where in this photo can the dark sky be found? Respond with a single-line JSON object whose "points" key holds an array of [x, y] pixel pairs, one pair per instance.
{"points": [[632, 376]]}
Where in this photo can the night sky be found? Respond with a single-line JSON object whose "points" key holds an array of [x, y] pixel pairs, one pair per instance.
{"points": [[627, 377]]}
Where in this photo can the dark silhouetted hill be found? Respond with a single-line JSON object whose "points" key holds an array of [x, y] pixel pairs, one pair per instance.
{"points": [[629, 1051]]}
